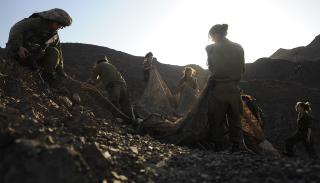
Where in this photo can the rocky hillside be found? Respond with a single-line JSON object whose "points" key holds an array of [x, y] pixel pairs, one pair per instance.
{"points": [[300, 54], [305, 73], [48, 135]]}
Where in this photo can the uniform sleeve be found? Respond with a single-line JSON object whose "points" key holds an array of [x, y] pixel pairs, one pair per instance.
{"points": [[196, 86], [308, 120], [242, 58], [210, 60], [180, 83], [95, 73], [58, 46], [16, 33]]}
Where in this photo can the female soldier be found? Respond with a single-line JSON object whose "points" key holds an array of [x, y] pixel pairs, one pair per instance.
{"points": [[188, 91], [226, 64], [189, 79], [303, 132]]}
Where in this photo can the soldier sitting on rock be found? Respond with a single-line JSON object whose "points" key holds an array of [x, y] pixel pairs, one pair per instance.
{"points": [[113, 82], [34, 42]]}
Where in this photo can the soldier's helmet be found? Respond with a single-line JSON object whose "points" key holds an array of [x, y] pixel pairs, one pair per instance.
{"points": [[57, 15]]}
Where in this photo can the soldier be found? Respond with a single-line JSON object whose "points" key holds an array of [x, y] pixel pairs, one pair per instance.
{"points": [[34, 42], [303, 132], [147, 66], [188, 78], [226, 64], [113, 82]]}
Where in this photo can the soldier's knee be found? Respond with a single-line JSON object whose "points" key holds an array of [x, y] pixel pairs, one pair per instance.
{"points": [[52, 51]]}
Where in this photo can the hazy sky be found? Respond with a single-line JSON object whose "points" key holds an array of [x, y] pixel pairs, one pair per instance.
{"points": [[176, 31]]}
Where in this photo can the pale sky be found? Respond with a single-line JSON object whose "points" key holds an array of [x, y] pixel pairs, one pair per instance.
{"points": [[176, 31]]}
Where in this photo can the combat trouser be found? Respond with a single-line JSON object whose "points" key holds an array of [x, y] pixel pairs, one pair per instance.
{"points": [[146, 75], [224, 110], [48, 60], [300, 137], [118, 96]]}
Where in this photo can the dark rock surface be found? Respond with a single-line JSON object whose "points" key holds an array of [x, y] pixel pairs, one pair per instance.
{"points": [[300, 54]]}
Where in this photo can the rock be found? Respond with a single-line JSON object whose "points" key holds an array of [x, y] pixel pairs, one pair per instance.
{"points": [[65, 100], [119, 120], [134, 149], [76, 98], [96, 160], [6, 139], [30, 161]]}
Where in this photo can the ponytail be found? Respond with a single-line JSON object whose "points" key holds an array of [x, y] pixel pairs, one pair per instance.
{"points": [[306, 106]]}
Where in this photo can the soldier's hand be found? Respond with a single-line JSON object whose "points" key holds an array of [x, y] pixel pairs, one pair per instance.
{"points": [[23, 52]]}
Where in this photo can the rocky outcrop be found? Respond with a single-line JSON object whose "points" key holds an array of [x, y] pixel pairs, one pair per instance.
{"points": [[300, 54]]}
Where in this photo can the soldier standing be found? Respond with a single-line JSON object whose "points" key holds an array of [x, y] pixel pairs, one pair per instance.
{"points": [[303, 132], [226, 64]]}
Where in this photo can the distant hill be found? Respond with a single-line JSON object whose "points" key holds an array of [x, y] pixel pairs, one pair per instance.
{"points": [[310, 52], [79, 59], [306, 73]]}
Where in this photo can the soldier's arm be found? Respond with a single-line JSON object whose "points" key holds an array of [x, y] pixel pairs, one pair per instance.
{"points": [[95, 74], [15, 40], [242, 59], [210, 60], [58, 46], [196, 83], [308, 135]]}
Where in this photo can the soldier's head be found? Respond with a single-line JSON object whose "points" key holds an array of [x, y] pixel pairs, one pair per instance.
{"points": [[56, 17], [189, 72], [149, 56], [101, 59], [218, 32], [303, 107]]}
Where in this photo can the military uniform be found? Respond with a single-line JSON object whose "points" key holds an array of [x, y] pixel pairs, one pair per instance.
{"points": [[304, 122], [191, 81], [226, 64], [114, 84], [147, 66], [33, 33]]}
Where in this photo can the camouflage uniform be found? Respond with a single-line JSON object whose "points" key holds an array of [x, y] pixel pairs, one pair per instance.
{"points": [[191, 81], [33, 33], [226, 64], [147, 66], [304, 123], [114, 84]]}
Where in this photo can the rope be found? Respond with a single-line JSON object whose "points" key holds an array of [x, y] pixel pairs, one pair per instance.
{"points": [[94, 89]]}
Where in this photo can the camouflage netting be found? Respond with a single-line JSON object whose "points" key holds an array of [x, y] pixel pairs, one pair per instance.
{"points": [[157, 97], [192, 128]]}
